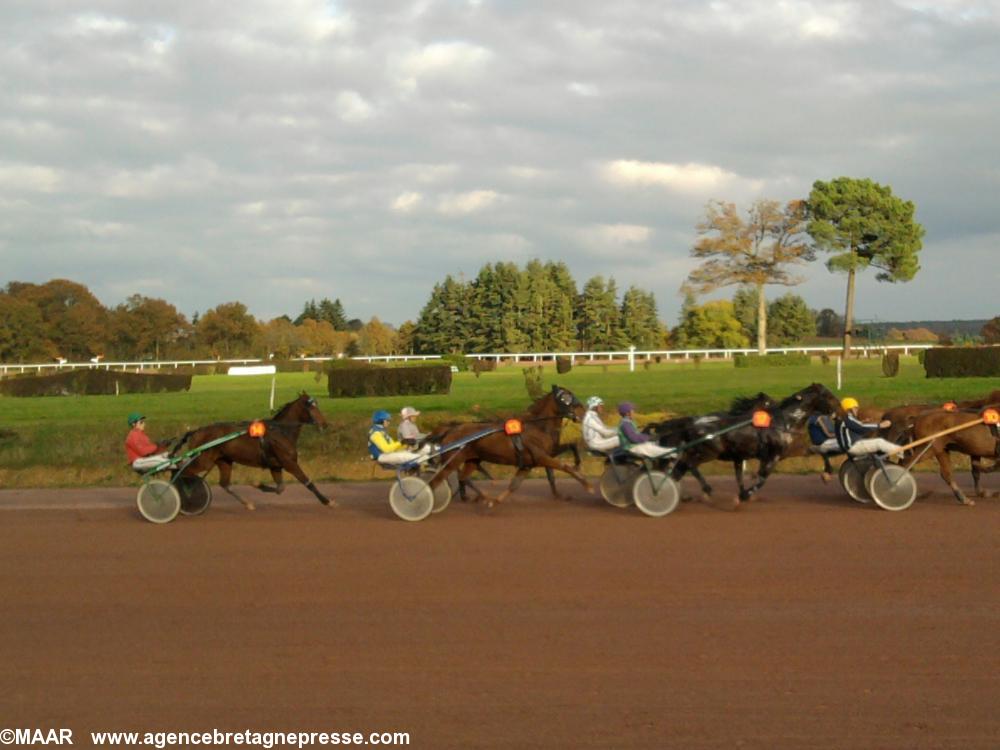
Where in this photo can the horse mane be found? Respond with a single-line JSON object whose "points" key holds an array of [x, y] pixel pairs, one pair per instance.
{"points": [[743, 404], [283, 411]]}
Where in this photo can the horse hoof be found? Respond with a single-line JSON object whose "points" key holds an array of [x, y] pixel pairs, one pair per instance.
{"points": [[825, 477], [250, 506], [968, 501]]}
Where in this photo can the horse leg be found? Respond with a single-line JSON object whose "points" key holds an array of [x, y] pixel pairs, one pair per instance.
{"points": [[738, 466], [827, 468], [977, 470], [279, 483], [765, 469], [551, 463], [293, 468], [514, 484], [944, 462], [551, 476], [225, 475]]}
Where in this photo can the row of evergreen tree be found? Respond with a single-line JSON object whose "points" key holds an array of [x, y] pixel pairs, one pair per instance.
{"points": [[506, 308]]}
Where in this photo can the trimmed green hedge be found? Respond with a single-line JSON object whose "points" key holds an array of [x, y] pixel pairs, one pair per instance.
{"points": [[771, 360], [362, 379], [965, 362], [94, 383]]}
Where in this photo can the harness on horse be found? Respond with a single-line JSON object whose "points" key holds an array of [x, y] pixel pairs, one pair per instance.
{"points": [[513, 429]]}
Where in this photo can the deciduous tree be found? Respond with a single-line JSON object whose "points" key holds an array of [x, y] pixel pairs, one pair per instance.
{"points": [[755, 252]]}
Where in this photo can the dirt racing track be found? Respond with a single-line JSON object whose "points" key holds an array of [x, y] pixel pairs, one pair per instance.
{"points": [[803, 620]]}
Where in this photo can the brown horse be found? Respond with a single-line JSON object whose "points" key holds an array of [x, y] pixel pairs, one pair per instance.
{"points": [[276, 450], [536, 445], [978, 442]]}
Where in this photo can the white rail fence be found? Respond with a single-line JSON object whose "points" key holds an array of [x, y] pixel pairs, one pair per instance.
{"points": [[630, 355]]}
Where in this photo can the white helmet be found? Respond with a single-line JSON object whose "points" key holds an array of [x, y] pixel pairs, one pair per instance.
{"points": [[594, 401]]}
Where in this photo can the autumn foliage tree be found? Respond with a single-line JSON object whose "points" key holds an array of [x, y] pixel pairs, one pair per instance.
{"points": [[757, 251]]}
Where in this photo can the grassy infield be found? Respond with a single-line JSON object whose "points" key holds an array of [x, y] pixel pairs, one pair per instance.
{"points": [[78, 441]]}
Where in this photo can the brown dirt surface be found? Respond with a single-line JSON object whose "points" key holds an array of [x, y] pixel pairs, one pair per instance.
{"points": [[803, 620]]}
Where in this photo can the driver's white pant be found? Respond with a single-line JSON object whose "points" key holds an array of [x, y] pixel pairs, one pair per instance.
{"points": [[402, 457], [872, 445], [145, 463], [827, 447], [604, 445], [649, 450]]}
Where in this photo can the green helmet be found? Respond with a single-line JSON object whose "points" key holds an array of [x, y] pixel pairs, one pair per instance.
{"points": [[135, 417]]}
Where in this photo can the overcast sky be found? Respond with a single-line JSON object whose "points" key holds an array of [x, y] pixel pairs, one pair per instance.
{"points": [[270, 151]]}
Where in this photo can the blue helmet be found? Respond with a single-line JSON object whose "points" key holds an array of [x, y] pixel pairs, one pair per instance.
{"points": [[381, 416]]}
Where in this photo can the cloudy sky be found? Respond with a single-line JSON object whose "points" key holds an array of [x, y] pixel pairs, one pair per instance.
{"points": [[270, 151]]}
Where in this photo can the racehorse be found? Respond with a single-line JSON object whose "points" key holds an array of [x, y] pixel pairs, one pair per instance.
{"points": [[276, 450], [535, 446], [766, 444], [680, 430], [978, 442]]}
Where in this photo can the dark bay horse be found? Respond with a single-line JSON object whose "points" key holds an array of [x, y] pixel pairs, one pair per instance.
{"points": [[277, 450], [767, 445], [977, 442], [681, 430], [536, 446]]}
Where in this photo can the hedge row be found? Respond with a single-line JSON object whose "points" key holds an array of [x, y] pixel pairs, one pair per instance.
{"points": [[94, 383], [971, 362], [362, 379], [771, 360]]}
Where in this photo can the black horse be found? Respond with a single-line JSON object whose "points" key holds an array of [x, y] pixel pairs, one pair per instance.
{"points": [[765, 444]]}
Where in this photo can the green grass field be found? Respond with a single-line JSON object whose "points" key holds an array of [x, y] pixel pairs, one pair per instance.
{"points": [[51, 441]]}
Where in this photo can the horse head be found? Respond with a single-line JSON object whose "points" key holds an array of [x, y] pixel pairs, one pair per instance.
{"points": [[815, 399], [302, 410], [568, 404]]}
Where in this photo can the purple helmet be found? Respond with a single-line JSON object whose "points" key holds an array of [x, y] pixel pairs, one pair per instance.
{"points": [[626, 407]]}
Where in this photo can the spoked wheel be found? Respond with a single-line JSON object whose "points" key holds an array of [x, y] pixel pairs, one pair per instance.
{"points": [[615, 483], [852, 479], [411, 498], [442, 493], [891, 487], [158, 501], [655, 493], [196, 495]]}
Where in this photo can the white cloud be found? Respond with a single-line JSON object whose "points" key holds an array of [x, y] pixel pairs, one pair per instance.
{"points": [[686, 178], [352, 107], [32, 178], [455, 60], [455, 204], [623, 234], [583, 89], [407, 202], [190, 176]]}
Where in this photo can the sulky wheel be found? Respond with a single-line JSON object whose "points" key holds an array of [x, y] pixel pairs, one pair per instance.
{"points": [[655, 493], [852, 479], [195, 494], [411, 498], [615, 486], [158, 501], [442, 493], [891, 487]]}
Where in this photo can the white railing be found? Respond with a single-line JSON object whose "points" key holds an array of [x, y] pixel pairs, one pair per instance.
{"points": [[630, 355], [682, 354]]}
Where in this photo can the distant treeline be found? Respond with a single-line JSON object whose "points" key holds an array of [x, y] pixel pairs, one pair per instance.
{"points": [[506, 308]]}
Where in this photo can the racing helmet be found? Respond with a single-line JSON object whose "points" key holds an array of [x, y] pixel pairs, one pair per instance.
{"points": [[381, 416], [594, 401], [626, 407], [849, 403]]}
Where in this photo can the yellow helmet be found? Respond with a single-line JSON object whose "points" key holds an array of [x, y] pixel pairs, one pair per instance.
{"points": [[849, 403]]}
